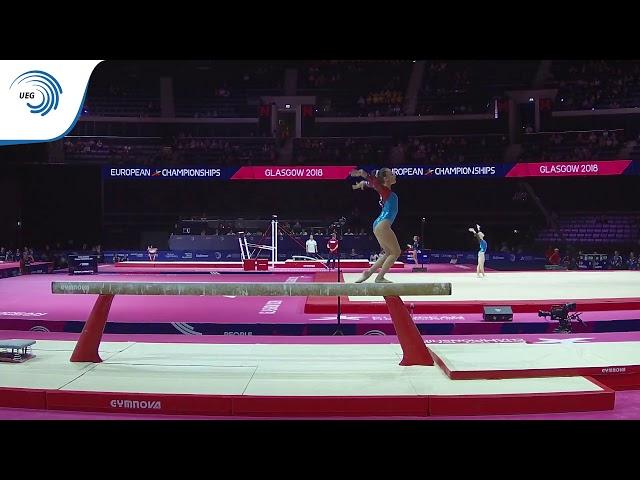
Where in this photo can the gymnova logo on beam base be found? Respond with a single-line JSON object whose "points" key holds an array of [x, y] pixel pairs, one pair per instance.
{"points": [[137, 404]]}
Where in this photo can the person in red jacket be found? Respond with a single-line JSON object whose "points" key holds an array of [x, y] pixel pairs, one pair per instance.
{"points": [[333, 246], [554, 259]]}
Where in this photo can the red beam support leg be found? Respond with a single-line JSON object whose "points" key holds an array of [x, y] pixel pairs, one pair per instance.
{"points": [[413, 348], [87, 347]]}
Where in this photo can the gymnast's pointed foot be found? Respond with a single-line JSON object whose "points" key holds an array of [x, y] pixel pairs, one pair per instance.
{"points": [[382, 280], [366, 274]]}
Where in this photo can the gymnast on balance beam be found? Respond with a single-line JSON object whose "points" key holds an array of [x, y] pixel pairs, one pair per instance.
{"points": [[382, 180]]}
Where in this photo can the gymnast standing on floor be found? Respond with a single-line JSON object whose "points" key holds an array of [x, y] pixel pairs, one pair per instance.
{"points": [[413, 249], [153, 253], [382, 180], [483, 248]]}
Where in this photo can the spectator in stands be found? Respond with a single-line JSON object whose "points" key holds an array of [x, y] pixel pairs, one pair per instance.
{"points": [[353, 253], [573, 260], [3, 255], [554, 259], [632, 262], [46, 254], [97, 250], [332, 246], [26, 256], [397, 154], [21, 260], [616, 261]]}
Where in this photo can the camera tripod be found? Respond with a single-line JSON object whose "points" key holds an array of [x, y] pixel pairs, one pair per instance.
{"points": [[565, 322]]}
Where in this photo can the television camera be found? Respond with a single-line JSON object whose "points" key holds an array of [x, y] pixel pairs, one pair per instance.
{"points": [[561, 314]]}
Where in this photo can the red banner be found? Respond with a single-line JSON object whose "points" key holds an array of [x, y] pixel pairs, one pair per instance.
{"points": [[293, 173], [569, 169]]}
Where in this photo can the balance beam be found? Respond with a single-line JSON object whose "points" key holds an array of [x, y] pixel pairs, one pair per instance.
{"points": [[414, 350], [273, 289]]}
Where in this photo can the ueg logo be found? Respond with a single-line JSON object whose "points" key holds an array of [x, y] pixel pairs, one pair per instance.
{"points": [[139, 404], [37, 85]]}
